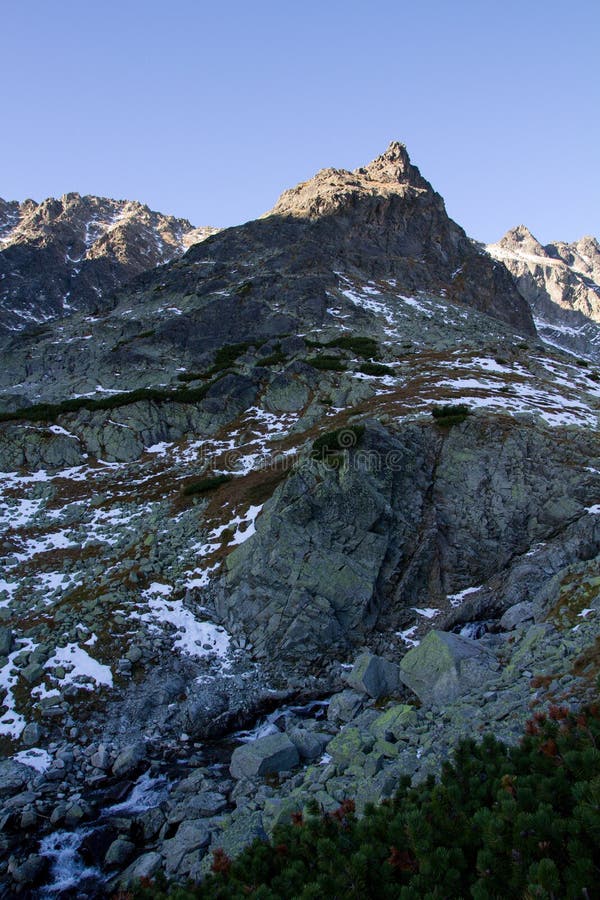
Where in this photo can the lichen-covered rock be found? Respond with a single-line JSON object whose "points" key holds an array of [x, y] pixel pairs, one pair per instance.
{"points": [[394, 723], [445, 666], [339, 551], [374, 675], [273, 753], [350, 746]]}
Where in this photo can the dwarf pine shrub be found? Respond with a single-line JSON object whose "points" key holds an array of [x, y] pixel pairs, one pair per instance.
{"points": [[450, 414], [204, 485]]}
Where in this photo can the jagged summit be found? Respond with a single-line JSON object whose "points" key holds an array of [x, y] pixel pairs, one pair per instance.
{"points": [[520, 240], [385, 219], [394, 166], [330, 190]]}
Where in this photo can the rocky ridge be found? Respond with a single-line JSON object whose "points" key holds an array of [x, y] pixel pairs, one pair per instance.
{"points": [[561, 283], [70, 254], [283, 274], [313, 474]]}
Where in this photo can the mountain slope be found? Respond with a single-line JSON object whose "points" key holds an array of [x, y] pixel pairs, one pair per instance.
{"points": [[69, 254], [561, 282], [309, 436]]}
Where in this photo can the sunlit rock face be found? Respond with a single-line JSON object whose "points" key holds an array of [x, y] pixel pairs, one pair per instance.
{"points": [[70, 254], [561, 283]]}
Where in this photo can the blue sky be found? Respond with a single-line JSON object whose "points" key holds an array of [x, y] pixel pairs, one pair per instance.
{"points": [[210, 110]]}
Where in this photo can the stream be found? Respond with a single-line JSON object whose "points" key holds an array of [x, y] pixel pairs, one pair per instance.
{"points": [[76, 856]]}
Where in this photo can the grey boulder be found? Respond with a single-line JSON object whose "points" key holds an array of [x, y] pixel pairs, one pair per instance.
{"points": [[344, 707], [129, 759], [119, 852], [144, 866], [273, 753], [445, 666], [192, 836], [374, 675], [13, 777], [30, 871], [516, 615], [309, 744]]}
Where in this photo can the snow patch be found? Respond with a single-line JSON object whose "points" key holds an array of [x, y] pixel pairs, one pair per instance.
{"points": [[35, 757], [79, 665], [428, 612], [408, 636], [460, 597]]}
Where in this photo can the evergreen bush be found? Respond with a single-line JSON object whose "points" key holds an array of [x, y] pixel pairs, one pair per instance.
{"points": [[450, 414], [370, 368], [204, 485], [326, 363]]}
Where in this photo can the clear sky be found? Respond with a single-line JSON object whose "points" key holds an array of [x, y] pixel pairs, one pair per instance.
{"points": [[210, 110]]}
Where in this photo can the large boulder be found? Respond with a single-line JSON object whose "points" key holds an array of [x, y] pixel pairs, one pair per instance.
{"points": [[516, 615], [129, 759], [445, 666], [273, 753], [309, 744], [374, 675], [193, 837], [344, 707], [350, 746], [145, 866], [394, 723]]}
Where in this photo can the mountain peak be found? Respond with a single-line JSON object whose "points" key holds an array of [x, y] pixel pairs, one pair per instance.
{"points": [[519, 240], [333, 190], [394, 165]]}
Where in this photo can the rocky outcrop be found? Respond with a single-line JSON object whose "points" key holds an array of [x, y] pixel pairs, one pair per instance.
{"points": [[71, 254], [410, 518]]}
